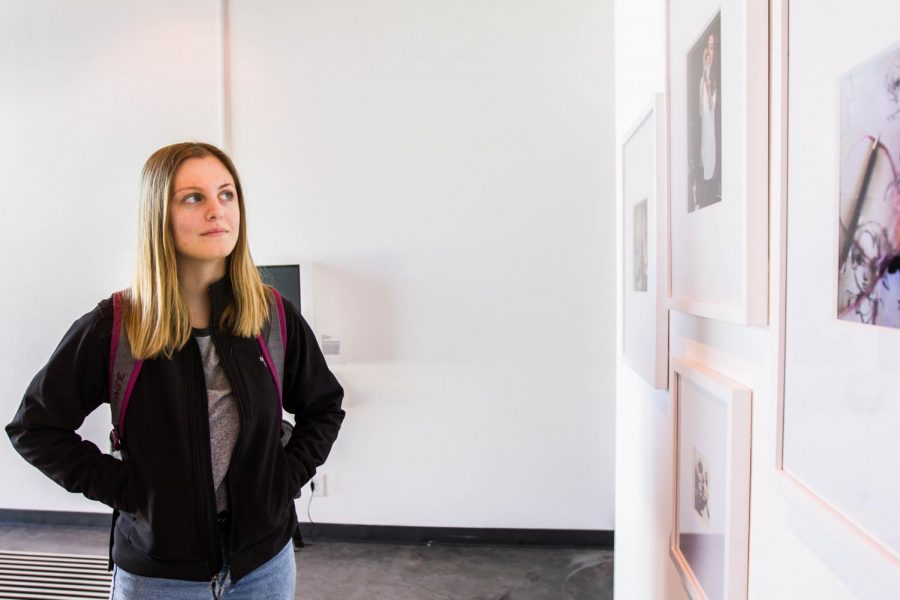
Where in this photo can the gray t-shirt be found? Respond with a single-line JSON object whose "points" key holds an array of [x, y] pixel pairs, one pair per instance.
{"points": [[224, 421]]}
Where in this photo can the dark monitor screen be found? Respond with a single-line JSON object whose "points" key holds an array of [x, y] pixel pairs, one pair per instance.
{"points": [[285, 279]]}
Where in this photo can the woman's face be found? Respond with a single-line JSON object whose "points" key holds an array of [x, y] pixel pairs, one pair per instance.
{"points": [[204, 213], [709, 53]]}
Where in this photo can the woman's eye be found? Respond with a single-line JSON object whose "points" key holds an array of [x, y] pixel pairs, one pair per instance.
{"points": [[191, 198], [227, 195]]}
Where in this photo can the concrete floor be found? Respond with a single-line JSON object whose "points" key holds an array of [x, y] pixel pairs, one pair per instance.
{"points": [[367, 571]]}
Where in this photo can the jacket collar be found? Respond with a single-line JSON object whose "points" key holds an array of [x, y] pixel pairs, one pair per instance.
{"points": [[221, 294]]}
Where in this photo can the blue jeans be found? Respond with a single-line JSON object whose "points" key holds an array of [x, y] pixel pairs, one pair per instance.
{"points": [[273, 580]]}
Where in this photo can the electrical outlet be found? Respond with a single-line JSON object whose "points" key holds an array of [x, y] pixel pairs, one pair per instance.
{"points": [[319, 484]]}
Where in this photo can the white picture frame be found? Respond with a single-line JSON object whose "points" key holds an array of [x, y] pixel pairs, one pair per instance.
{"points": [[645, 265], [711, 493], [718, 158], [836, 436]]}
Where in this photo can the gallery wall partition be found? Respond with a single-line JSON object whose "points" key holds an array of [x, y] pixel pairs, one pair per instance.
{"points": [[645, 262], [838, 452], [717, 89], [784, 170]]}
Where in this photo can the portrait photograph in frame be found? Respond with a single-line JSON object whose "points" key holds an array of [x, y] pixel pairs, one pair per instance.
{"points": [[645, 273], [837, 448], [711, 527], [717, 90], [704, 118]]}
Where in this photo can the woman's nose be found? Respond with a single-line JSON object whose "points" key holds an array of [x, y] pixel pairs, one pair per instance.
{"points": [[215, 210]]}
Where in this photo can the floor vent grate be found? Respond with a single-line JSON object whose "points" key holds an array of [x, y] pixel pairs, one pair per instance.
{"points": [[26, 575]]}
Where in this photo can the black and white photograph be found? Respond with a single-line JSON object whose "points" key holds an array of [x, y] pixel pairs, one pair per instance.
{"points": [[717, 81], [704, 118], [712, 485], [701, 487], [644, 276], [640, 246]]}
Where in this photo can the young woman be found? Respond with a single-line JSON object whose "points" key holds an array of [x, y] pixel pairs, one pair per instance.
{"points": [[204, 498]]}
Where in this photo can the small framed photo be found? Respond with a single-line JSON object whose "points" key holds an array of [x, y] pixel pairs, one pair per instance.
{"points": [[711, 528], [717, 90], [645, 265]]}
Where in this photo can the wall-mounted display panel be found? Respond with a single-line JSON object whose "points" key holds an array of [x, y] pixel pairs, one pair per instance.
{"points": [[645, 268], [718, 158], [285, 279]]}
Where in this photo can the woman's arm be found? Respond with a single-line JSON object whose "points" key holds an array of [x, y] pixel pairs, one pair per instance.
{"points": [[313, 395], [69, 387]]}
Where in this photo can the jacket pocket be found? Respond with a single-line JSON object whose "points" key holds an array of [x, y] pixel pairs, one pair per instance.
{"points": [[287, 476], [128, 497]]}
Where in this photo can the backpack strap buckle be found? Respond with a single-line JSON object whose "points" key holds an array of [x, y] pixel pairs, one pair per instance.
{"points": [[115, 444]]}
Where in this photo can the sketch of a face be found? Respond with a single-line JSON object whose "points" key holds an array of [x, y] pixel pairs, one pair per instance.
{"points": [[869, 246], [869, 249]]}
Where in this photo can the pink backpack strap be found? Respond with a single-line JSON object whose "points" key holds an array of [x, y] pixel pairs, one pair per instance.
{"points": [[273, 343], [123, 372]]}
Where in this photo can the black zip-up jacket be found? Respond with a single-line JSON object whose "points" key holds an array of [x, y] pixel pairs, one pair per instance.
{"points": [[163, 489]]}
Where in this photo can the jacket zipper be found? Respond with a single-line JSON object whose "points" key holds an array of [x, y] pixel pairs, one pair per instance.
{"points": [[207, 516], [235, 453]]}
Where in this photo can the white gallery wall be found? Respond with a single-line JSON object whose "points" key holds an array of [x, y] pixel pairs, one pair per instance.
{"points": [[87, 91], [790, 555], [643, 569], [447, 169]]}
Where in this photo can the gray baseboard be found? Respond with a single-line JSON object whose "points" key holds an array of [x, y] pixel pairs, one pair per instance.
{"points": [[55, 517], [383, 534], [444, 536]]}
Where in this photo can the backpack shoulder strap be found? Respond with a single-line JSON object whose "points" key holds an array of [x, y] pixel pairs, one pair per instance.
{"points": [[123, 372], [273, 342]]}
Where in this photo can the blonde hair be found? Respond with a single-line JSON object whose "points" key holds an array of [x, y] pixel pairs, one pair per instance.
{"points": [[156, 317]]}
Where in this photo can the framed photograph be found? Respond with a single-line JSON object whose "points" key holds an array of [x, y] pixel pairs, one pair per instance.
{"points": [[838, 452], [645, 268], [717, 89], [711, 528]]}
